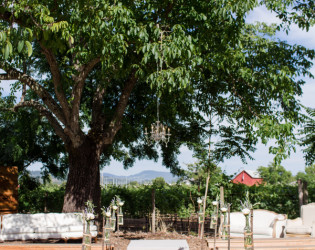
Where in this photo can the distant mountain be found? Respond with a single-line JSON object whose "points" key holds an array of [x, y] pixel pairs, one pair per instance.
{"points": [[150, 175], [142, 177], [35, 173]]}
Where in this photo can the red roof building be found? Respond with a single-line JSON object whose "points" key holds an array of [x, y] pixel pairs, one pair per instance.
{"points": [[248, 177]]}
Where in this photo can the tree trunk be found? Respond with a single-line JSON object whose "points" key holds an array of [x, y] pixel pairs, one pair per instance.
{"points": [[300, 194], [305, 193], [204, 206], [83, 181]]}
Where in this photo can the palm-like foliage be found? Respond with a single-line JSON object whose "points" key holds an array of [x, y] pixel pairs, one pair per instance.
{"points": [[308, 140]]}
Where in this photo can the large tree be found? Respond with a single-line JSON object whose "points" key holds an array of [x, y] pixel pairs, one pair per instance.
{"points": [[94, 69]]}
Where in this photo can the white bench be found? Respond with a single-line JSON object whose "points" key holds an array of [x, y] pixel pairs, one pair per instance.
{"points": [[304, 225], [43, 226], [267, 224]]}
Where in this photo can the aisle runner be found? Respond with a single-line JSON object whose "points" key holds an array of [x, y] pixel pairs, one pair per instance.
{"points": [[158, 245]]}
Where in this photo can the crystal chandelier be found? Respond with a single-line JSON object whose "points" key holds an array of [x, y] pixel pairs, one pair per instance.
{"points": [[159, 132]]}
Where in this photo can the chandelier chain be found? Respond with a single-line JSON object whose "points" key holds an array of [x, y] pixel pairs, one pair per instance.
{"points": [[159, 132]]}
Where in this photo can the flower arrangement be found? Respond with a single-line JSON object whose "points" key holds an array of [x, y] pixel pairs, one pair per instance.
{"points": [[107, 228], [89, 213], [106, 212]]}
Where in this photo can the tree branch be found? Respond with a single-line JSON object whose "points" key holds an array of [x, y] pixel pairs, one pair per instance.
{"points": [[24, 85], [37, 88], [44, 112], [115, 123], [54, 69], [84, 71], [243, 100], [97, 106], [7, 16], [4, 77]]}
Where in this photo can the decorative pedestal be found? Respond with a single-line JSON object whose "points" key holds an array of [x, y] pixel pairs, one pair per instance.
{"points": [[248, 242], [87, 237], [225, 231]]}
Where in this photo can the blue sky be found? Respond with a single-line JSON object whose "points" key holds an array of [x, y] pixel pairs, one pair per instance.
{"points": [[262, 158]]}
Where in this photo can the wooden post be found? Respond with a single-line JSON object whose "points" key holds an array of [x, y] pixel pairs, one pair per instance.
{"points": [[252, 226], [153, 211], [305, 193], [229, 226], [216, 227], [300, 193], [45, 203], [221, 195], [83, 238], [103, 233]]}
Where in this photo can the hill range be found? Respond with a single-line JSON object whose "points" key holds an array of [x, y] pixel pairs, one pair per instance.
{"points": [[142, 177]]}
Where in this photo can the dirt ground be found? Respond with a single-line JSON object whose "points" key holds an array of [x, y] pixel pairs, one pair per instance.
{"points": [[120, 240]]}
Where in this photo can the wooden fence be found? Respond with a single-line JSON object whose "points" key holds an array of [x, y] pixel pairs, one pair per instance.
{"points": [[167, 223]]}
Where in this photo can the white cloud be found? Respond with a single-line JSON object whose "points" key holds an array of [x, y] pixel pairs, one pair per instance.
{"points": [[307, 98], [299, 36], [261, 14], [6, 86]]}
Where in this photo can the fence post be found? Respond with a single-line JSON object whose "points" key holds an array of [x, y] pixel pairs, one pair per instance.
{"points": [[153, 211], [221, 195], [305, 193]]}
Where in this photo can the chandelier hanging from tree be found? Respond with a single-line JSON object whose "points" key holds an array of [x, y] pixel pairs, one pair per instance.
{"points": [[159, 132]]}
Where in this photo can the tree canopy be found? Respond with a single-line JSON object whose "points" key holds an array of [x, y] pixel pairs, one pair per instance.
{"points": [[275, 174], [308, 175], [94, 70]]}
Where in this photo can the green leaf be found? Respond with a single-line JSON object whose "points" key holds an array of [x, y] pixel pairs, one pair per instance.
{"points": [[10, 47], [6, 52], [29, 48], [20, 46], [71, 39]]}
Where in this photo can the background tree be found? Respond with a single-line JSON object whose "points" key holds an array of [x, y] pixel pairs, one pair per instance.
{"points": [[308, 175], [275, 174], [158, 182], [22, 145], [90, 68], [308, 140]]}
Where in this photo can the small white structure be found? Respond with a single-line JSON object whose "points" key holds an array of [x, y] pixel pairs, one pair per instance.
{"points": [[304, 225]]}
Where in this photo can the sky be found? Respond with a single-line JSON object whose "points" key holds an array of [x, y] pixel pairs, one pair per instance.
{"points": [[262, 158]]}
